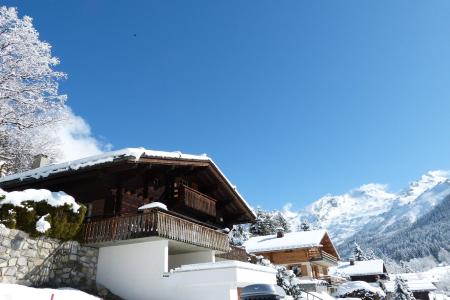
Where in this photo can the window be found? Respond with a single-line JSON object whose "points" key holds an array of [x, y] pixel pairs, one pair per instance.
{"points": [[95, 208]]}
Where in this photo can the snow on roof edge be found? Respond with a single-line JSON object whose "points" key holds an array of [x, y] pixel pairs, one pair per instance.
{"points": [[106, 157], [278, 244]]}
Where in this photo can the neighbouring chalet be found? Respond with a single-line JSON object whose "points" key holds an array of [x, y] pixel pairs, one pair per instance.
{"points": [[365, 270], [168, 247], [309, 254], [420, 287]]}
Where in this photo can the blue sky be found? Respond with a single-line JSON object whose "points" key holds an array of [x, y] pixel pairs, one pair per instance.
{"points": [[293, 99]]}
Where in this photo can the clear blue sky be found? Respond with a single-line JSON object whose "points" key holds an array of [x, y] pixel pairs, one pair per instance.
{"points": [[293, 99]]}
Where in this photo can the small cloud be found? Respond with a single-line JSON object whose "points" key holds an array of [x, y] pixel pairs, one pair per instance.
{"points": [[75, 139]]}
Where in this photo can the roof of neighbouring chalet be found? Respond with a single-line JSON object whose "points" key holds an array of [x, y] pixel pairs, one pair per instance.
{"points": [[414, 285], [361, 268], [290, 240], [127, 154]]}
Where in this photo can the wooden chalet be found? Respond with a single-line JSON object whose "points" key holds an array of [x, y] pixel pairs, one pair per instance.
{"points": [[308, 253], [365, 270], [113, 186]]}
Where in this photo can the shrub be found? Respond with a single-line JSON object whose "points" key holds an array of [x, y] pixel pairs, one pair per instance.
{"points": [[65, 223]]}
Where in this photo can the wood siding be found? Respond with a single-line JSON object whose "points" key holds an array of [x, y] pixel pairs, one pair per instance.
{"points": [[195, 200]]}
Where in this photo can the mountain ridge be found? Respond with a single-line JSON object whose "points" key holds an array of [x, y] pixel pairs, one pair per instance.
{"points": [[373, 212]]}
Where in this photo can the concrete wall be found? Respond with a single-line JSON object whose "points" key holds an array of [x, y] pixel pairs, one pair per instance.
{"points": [[134, 271], [139, 271], [177, 260]]}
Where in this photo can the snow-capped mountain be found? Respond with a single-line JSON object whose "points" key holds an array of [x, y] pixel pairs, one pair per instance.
{"points": [[371, 210]]}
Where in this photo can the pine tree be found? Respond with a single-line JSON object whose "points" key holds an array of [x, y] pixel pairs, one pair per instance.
{"points": [[281, 222], [402, 291], [305, 225], [405, 267], [238, 235], [358, 253], [264, 224], [289, 282]]}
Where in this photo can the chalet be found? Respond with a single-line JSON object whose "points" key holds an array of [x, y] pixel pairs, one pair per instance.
{"points": [[157, 219], [308, 254], [366, 270]]}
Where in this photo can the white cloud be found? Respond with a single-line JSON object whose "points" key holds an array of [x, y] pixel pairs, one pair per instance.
{"points": [[75, 139]]}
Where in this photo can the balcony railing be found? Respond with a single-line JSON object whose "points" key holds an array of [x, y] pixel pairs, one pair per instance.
{"points": [[316, 254], [328, 257], [235, 253], [153, 223], [196, 200]]}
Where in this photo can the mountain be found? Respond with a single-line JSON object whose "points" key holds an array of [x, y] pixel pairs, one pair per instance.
{"points": [[376, 218]]}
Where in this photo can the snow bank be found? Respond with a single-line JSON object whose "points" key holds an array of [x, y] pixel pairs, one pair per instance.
{"points": [[352, 286], [42, 225], [55, 199], [20, 292], [153, 205]]}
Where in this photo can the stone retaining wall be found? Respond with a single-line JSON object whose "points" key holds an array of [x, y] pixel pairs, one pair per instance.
{"points": [[45, 262]]}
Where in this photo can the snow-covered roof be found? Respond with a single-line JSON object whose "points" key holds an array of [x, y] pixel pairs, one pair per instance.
{"points": [[351, 286], [414, 282], [107, 157], [365, 267], [291, 240]]}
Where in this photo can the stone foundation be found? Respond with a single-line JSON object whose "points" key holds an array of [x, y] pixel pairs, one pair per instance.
{"points": [[45, 261]]}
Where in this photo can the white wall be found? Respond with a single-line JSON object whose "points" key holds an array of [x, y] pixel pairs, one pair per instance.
{"points": [[221, 281], [191, 258], [137, 272], [127, 270]]}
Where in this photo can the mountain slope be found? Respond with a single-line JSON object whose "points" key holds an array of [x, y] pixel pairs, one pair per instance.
{"points": [[375, 217], [427, 236]]}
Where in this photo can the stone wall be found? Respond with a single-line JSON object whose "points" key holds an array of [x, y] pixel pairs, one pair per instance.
{"points": [[45, 262]]}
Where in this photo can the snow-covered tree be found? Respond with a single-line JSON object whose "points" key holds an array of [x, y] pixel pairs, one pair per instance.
{"points": [[268, 222], [264, 224], [406, 268], [29, 96], [286, 279], [358, 253], [281, 222], [289, 282], [402, 291], [305, 225], [238, 235]]}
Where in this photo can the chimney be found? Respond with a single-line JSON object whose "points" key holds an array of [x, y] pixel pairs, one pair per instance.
{"points": [[280, 232], [352, 261], [40, 160]]}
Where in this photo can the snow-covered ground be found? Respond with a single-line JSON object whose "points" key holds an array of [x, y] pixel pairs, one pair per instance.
{"points": [[21, 292]]}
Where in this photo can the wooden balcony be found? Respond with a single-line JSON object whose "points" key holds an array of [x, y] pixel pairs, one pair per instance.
{"points": [[195, 200], [154, 223], [316, 254]]}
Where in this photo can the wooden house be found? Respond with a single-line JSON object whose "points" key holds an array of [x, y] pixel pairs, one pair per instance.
{"points": [[366, 270], [417, 283], [170, 243], [308, 253]]}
